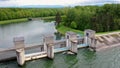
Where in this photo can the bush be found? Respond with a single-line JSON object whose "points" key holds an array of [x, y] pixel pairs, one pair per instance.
{"points": [[73, 25]]}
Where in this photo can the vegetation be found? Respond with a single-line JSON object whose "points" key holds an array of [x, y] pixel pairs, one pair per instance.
{"points": [[101, 33], [24, 20], [58, 18], [64, 29], [13, 21], [17, 13], [99, 18]]}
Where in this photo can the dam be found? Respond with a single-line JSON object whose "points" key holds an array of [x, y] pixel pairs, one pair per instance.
{"points": [[36, 49], [71, 43]]}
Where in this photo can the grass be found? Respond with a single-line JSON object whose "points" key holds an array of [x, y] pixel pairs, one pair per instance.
{"points": [[101, 33], [13, 21], [26, 19], [64, 29], [49, 17]]}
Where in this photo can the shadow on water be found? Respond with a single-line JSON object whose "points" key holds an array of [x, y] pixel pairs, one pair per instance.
{"points": [[49, 63], [86, 58], [58, 36], [71, 60], [88, 55]]}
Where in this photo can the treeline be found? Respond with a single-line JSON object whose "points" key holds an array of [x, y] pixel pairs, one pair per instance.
{"points": [[99, 18], [16, 13]]}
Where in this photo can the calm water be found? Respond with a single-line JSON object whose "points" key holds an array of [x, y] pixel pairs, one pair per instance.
{"points": [[32, 31]]}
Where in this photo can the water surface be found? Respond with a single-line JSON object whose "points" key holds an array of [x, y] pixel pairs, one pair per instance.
{"points": [[32, 31], [84, 59]]}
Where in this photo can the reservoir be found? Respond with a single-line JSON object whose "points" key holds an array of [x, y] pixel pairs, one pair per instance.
{"points": [[33, 31]]}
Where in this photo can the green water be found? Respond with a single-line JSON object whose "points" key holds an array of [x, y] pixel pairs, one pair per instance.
{"points": [[84, 59]]}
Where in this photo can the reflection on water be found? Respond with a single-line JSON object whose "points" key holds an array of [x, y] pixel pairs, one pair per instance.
{"points": [[33, 32]]}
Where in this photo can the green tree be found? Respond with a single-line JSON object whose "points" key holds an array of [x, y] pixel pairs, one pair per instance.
{"points": [[58, 18], [73, 25]]}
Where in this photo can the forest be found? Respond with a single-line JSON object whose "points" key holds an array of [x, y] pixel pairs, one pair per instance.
{"points": [[17, 13], [99, 18]]}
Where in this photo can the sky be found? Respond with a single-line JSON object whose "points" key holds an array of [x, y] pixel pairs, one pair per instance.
{"points": [[17, 3]]}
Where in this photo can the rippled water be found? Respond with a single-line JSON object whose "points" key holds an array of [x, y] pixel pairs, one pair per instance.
{"points": [[84, 59]]}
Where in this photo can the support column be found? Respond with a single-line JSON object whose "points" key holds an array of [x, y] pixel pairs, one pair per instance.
{"points": [[20, 51], [49, 45], [90, 39], [74, 46], [50, 51], [67, 40], [72, 41]]}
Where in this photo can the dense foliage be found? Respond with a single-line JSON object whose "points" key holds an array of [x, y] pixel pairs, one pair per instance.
{"points": [[16, 13], [58, 18], [99, 18]]}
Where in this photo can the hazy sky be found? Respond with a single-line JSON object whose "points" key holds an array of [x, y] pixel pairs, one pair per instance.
{"points": [[5, 3]]}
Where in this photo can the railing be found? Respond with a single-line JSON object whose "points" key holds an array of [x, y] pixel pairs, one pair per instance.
{"points": [[6, 54]]}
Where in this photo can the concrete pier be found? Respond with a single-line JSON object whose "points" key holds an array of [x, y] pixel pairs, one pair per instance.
{"points": [[90, 39], [20, 53], [71, 41], [49, 44], [50, 51]]}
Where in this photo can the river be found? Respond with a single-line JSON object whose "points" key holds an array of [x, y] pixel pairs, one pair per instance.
{"points": [[33, 30]]}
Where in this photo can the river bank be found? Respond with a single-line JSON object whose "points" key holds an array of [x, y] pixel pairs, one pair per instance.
{"points": [[64, 29], [48, 18], [13, 21], [23, 20]]}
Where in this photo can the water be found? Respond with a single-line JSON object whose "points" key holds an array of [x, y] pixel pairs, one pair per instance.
{"points": [[84, 59], [33, 31]]}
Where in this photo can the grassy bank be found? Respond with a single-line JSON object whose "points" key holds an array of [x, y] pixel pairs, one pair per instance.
{"points": [[26, 19], [64, 29], [51, 17], [102, 33], [13, 21], [46, 18], [23, 20]]}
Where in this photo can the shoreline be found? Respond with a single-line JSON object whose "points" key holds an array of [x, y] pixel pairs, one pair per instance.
{"points": [[5, 22], [64, 29]]}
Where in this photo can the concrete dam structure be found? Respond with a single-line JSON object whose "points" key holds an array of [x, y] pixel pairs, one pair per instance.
{"points": [[71, 43]]}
